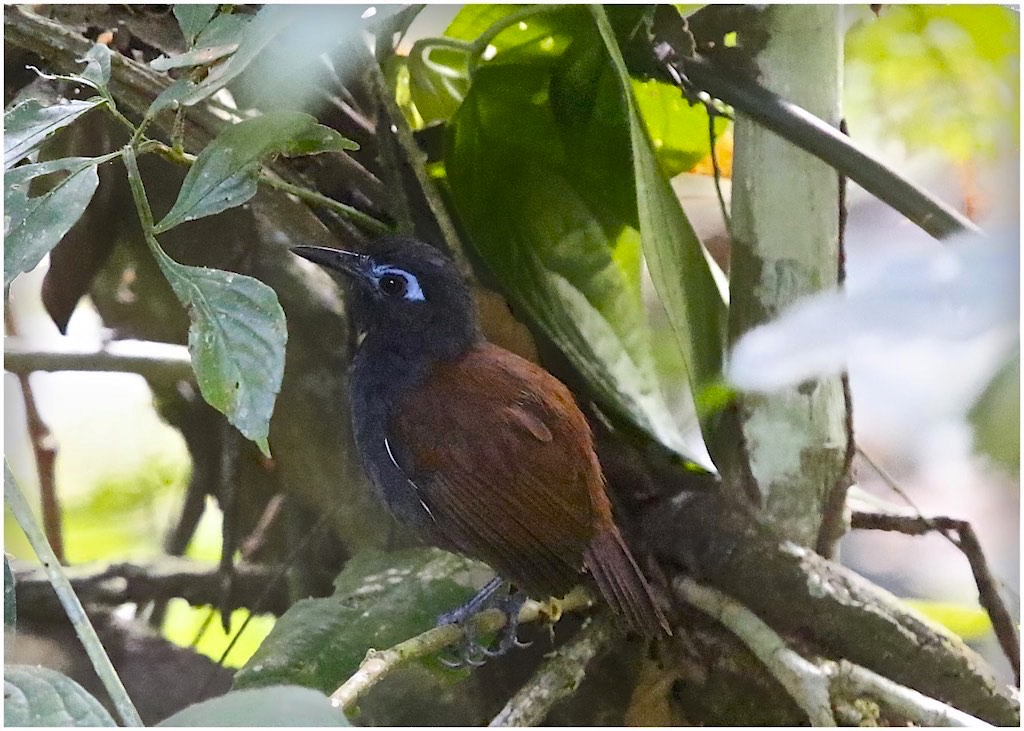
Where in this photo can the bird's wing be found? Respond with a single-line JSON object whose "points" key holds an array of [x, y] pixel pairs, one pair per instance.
{"points": [[506, 462]]}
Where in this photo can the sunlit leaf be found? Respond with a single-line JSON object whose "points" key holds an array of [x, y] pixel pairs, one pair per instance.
{"points": [[379, 600], [192, 19], [677, 129], [968, 622], [438, 80], [278, 705], [34, 225], [226, 172], [27, 125], [38, 696]]}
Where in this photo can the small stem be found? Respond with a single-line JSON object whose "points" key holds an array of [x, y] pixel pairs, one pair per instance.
{"points": [[45, 454], [76, 613], [366, 222]]}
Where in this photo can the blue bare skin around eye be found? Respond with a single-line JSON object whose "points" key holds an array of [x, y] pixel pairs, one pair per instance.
{"points": [[414, 292]]}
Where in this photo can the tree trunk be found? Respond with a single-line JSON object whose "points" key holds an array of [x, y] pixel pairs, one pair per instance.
{"points": [[785, 223]]}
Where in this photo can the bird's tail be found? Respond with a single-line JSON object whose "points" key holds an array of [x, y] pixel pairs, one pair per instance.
{"points": [[622, 585]]}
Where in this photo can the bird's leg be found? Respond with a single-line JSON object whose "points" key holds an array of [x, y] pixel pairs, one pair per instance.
{"points": [[471, 652], [477, 604]]}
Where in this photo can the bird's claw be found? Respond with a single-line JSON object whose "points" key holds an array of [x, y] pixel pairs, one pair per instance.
{"points": [[473, 653]]}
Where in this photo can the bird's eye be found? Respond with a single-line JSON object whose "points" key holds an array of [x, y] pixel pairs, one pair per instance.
{"points": [[393, 285]]}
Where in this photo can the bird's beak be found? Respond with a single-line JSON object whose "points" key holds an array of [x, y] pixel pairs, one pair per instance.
{"points": [[355, 265]]}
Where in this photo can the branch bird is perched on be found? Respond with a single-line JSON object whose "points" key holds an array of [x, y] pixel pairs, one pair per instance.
{"points": [[480, 451]]}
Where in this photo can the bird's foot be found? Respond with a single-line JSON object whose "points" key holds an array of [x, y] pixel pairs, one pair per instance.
{"points": [[472, 653]]}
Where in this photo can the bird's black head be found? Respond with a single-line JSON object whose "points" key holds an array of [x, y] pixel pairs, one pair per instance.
{"points": [[406, 295]]}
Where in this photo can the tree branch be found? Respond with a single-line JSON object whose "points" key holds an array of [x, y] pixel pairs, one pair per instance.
{"points": [[815, 684], [798, 592], [379, 663], [961, 534], [159, 362], [559, 676], [805, 681], [168, 578]]}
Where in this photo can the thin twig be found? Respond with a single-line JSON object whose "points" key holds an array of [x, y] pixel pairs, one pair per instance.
{"points": [[961, 534], [717, 169], [15, 500], [46, 457], [559, 676], [379, 663]]}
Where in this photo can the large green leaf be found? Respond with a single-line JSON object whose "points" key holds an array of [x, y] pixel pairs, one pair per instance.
{"points": [[34, 225], [237, 336], [541, 172], [680, 268], [27, 125], [10, 598], [226, 173], [37, 696], [278, 705], [379, 600]]}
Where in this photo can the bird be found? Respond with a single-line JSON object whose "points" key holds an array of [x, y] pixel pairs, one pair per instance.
{"points": [[477, 450]]}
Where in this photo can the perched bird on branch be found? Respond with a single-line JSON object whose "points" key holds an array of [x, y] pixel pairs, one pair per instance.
{"points": [[476, 449]]}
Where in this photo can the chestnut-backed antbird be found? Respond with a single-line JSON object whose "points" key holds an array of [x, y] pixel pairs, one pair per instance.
{"points": [[481, 452]]}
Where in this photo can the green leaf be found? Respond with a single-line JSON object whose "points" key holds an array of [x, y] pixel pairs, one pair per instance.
{"points": [[967, 622], [996, 416], [681, 269], [33, 226], [677, 129], [237, 336], [237, 343], [223, 30], [37, 696], [270, 22], [379, 600], [27, 125], [10, 600], [196, 57], [173, 94], [438, 80], [192, 19], [541, 173], [97, 65], [225, 174], [278, 705]]}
